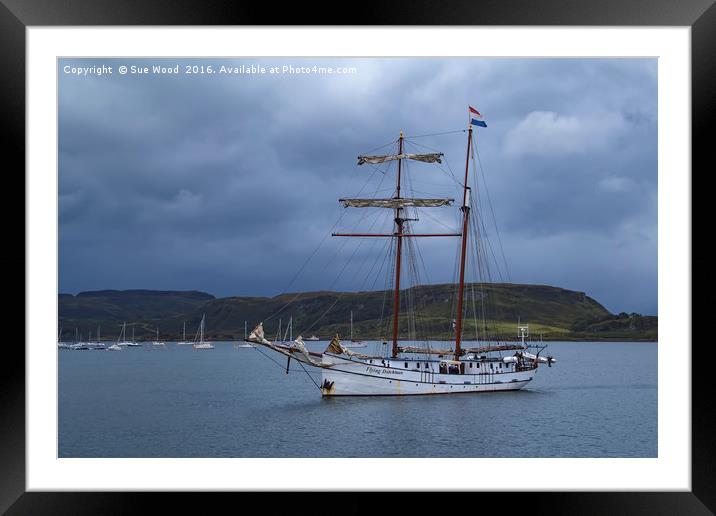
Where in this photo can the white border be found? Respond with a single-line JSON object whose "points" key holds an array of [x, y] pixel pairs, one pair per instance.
{"points": [[670, 471]]}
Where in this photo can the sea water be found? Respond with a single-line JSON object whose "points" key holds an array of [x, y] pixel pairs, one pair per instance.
{"points": [[598, 400]]}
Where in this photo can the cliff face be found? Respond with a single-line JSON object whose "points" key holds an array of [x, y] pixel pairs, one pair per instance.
{"points": [[555, 313]]}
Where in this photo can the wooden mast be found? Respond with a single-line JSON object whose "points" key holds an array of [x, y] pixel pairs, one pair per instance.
{"points": [[399, 248], [399, 234], [466, 217]]}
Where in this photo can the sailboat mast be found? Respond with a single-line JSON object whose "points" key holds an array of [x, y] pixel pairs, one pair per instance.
{"points": [[399, 248], [465, 219]]}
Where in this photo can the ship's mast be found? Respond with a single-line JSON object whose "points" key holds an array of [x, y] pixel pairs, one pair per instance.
{"points": [[397, 203], [399, 248], [465, 220]]}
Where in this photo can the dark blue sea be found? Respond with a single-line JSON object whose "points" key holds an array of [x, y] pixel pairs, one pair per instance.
{"points": [[598, 400]]}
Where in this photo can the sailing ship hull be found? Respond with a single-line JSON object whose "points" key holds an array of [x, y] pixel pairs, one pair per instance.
{"points": [[357, 378]]}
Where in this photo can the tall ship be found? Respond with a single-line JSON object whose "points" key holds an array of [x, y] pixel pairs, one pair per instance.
{"points": [[485, 363]]}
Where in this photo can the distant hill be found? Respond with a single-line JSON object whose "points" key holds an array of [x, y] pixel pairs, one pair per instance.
{"points": [[555, 313], [110, 308]]}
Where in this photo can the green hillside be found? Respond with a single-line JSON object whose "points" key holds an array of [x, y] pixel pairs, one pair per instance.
{"points": [[110, 308], [555, 313]]}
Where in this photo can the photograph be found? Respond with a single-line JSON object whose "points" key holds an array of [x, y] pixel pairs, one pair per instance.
{"points": [[357, 257]]}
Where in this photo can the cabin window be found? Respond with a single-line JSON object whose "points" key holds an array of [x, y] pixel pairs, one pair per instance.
{"points": [[406, 365], [426, 365], [490, 366], [418, 365], [470, 365]]}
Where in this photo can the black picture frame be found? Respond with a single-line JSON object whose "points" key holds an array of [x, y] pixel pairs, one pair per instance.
{"points": [[700, 15]]}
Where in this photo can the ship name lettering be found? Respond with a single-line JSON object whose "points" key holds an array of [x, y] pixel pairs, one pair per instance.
{"points": [[375, 370]]}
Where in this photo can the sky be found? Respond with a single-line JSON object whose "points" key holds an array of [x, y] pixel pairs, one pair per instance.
{"points": [[228, 182]]}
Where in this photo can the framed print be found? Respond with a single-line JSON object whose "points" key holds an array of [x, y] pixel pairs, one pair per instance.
{"points": [[184, 185]]}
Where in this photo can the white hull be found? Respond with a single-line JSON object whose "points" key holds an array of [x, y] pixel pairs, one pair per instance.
{"points": [[129, 344], [205, 345], [358, 378]]}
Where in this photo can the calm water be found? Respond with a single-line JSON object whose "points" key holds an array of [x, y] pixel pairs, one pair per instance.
{"points": [[599, 400]]}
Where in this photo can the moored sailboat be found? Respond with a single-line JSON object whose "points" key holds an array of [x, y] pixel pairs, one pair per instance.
{"points": [[417, 370], [97, 345], [199, 342], [158, 342], [183, 341], [244, 344], [122, 338], [353, 342]]}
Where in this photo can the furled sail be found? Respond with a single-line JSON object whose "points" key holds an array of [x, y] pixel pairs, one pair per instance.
{"points": [[300, 346], [496, 347], [395, 203], [426, 351], [257, 335], [296, 347], [425, 158], [335, 347]]}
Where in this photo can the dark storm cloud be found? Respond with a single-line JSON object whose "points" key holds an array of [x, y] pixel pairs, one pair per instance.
{"points": [[228, 183]]}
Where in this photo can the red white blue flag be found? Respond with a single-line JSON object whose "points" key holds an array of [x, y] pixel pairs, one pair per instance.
{"points": [[476, 117]]}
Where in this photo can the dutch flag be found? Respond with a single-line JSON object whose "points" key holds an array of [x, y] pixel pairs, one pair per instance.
{"points": [[476, 117]]}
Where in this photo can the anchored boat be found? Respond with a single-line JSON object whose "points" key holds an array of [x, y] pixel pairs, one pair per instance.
{"points": [[487, 366], [183, 341], [199, 342]]}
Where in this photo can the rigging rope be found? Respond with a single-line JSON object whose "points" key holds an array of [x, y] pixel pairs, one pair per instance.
{"points": [[435, 134], [492, 211], [360, 243], [256, 347]]}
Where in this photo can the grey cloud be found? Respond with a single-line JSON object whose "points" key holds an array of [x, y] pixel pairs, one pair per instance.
{"points": [[227, 184]]}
